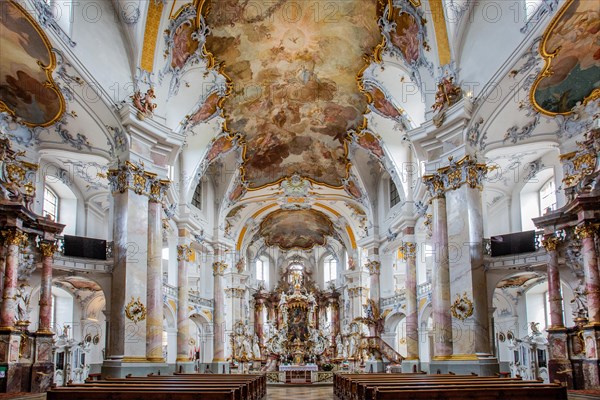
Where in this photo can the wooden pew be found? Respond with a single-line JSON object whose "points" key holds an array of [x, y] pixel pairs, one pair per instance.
{"points": [[442, 387], [193, 386]]}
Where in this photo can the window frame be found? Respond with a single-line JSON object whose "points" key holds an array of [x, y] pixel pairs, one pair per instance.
{"points": [[394, 194], [196, 200], [328, 262]]}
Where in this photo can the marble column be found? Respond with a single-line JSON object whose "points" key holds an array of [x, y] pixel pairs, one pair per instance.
{"points": [[587, 234], [154, 318], [556, 309], [440, 291], [219, 268], [8, 310], [184, 253], [335, 316], [410, 294], [591, 332], [374, 268], [47, 249], [259, 321]]}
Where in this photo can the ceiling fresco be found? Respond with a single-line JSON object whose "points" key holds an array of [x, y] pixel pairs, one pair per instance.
{"points": [[297, 229], [570, 49], [27, 90], [294, 70]]}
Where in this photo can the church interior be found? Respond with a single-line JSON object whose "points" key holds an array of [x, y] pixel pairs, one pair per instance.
{"points": [[346, 198]]}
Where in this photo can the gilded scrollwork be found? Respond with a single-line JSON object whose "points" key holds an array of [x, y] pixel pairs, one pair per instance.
{"points": [[135, 310], [581, 163], [17, 177], [462, 308], [464, 171], [373, 266]]}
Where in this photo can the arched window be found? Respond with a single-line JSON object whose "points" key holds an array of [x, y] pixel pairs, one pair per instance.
{"points": [[330, 269], [50, 204], [262, 270], [547, 196], [394, 195], [197, 197], [295, 270]]}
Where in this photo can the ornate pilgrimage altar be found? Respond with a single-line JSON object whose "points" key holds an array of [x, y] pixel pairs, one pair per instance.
{"points": [[299, 334]]}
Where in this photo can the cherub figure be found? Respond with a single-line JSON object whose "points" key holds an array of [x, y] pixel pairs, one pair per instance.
{"points": [[144, 104]]}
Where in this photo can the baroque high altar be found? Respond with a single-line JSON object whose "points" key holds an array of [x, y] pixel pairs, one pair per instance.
{"points": [[303, 322]]}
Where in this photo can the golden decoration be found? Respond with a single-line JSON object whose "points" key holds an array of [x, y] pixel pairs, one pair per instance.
{"points": [[219, 268], [551, 243], [373, 266], [48, 248], [184, 252], [462, 308], [14, 237], [586, 231], [135, 310]]}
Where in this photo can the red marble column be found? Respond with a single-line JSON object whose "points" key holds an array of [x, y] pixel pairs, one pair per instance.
{"points": [[8, 310], [587, 234], [258, 319], [219, 268], [556, 310], [47, 249], [154, 299], [412, 323]]}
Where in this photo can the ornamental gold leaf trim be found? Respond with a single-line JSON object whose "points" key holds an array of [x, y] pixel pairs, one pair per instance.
{"points": [[462, 308], [135, 310]]}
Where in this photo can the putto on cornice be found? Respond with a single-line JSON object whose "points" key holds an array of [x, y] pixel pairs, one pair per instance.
{"points": [[133, 176], [457, 173], [17, 177]]}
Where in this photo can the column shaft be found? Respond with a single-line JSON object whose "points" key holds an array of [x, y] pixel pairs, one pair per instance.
{"points": [[556, 310], [219, 313], [183, 321], [412, 323], [440, 296], [592, 275], [154, 319], [8, 309], [47, 250]]}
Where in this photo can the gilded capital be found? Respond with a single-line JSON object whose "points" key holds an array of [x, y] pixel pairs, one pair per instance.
{"points": [[409, 249], [435, 185], [586, 231], [373, 266], [219, 268], [158, 189], [184, 252], [551, 243], [48, 248], [14, 237]]}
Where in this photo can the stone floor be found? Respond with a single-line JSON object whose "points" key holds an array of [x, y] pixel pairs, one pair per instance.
{"points": [[300, 393]]}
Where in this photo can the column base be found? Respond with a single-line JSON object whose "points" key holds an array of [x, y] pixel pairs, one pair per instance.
{"points": [[374, 366], [465, 364], [409, 366], [120, 369], [219, 367], [185, 367], [560, 371], [42, 376]]}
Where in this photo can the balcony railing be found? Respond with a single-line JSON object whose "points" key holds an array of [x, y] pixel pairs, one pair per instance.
{"points": [[423, 289], [395, 299]]}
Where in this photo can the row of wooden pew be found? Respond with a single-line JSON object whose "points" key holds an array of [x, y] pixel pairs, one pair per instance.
{"points": [[166, 387], [441, 387]]}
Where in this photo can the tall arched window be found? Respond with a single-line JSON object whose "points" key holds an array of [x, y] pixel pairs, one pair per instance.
{"points": [[295, 270], [330, 269], [50, 204], [262, 270], [547, 196], [197, 197]]}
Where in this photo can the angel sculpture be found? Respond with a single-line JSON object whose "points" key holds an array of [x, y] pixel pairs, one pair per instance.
{"points": [[144, 104]]}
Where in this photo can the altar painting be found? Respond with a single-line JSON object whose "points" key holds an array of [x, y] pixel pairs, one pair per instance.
{"points": [[571, 49], [298, 324]]}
